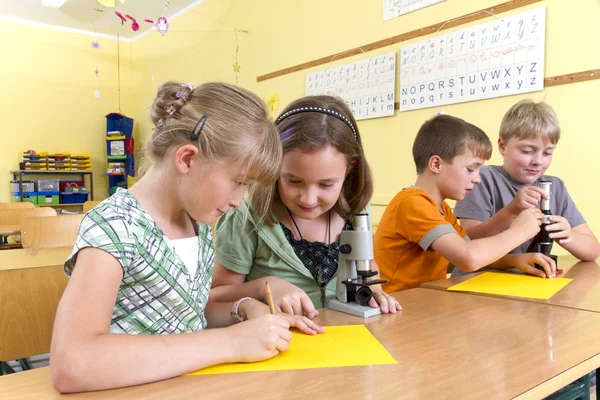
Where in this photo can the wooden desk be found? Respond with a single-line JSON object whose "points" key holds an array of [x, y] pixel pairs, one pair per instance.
{"points": [[31, 284], [33, 258], [583, 293], [446, 345]]}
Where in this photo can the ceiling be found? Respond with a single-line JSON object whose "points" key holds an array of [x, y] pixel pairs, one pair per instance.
{"points": [[83, 14]]}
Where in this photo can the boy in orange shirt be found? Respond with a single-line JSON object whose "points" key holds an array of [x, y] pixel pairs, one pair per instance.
{"points": [[419, 235]]}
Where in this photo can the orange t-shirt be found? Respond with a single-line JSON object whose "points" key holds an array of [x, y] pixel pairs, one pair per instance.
{"points": [[402, 246]]}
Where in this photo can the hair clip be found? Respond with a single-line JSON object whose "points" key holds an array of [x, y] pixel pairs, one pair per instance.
{"points": [[185, 91], [159, 124], [195, 134], [170, 109]]}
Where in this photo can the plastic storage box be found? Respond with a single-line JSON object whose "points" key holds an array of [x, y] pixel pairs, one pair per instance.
{"points": [[48, 185], [28, 186], [30, 197], [47, 198], [73, 197]]}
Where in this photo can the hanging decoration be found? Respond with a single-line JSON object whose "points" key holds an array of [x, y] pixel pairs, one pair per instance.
{"points": [[95, 45], [162, 25], [134, 24], [272, 101], [96, 91], [236, 66]]}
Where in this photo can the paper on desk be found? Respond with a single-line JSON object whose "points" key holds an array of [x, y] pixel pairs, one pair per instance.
{"points": [[339, 346], [517, 285]]}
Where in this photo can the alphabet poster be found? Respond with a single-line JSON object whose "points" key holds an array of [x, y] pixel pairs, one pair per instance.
{"points": [[367, 86], [497, 58], [396, 8]]}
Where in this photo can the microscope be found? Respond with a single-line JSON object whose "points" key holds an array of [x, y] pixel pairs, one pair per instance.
{"points": [[542, 243], [354, 270]]}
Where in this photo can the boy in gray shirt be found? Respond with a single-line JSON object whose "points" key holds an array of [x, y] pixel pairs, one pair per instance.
{"points": [[529, 133]]}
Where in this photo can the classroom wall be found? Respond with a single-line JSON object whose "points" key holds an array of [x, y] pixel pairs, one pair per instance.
{"points": [[280, 36], [47, 82]]}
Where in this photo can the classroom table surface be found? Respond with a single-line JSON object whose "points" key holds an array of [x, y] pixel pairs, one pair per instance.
{"points": [[582, 293], [33, 258], [446, 346]]}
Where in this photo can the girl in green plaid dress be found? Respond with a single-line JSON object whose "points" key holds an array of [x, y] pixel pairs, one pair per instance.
{"points": [[135, 309]]}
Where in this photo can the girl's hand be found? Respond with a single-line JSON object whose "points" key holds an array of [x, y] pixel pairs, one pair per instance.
{"points": [[303, 324], [252, 309], [291, 299], [381, 299], [258, 338], [560, 228]]}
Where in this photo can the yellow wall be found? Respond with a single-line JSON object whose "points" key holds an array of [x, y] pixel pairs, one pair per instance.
{"points": [[47, 82], [285, 33]]}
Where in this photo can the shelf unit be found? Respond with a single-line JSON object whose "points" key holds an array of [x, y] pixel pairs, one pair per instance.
{"points": [[119, 149], [18, 176]]}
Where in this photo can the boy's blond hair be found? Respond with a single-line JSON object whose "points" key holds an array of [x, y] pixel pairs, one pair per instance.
{"points": [[528, 119]]}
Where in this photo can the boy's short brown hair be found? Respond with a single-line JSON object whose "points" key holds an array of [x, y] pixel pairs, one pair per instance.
{"points": [[528, 119], [447, 136]]}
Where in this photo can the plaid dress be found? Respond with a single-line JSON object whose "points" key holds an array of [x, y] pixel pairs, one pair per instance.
{"points": [[157, 295]]}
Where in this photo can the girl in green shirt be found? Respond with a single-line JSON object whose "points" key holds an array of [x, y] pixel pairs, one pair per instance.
{"points": [[324, 181]]}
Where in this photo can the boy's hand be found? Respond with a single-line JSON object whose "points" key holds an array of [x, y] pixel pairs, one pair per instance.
{"points": [[527, 223], [526, 263], [560, 228], [381, 299], [527, 197]]}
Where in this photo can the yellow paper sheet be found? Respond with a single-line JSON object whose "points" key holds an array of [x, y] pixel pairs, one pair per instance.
{"points": [[517, 285], [339, 346]]}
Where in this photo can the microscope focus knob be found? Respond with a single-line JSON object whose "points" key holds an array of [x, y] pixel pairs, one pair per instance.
{"points": [[345, 249]]}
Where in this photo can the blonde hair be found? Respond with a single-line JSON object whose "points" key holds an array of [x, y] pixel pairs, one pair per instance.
{"points": [[236, 128], [313, 131], [528, 119], [447, 136]]}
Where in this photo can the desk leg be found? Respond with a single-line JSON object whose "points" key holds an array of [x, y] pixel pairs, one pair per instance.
{"points": [[597, 388], [5, 369]]}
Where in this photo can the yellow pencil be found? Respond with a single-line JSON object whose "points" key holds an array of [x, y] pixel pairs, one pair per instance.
{"points": [[269, 297]]}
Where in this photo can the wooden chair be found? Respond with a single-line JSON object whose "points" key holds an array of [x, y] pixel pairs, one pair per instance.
{"points": [[11, 218], [28, 303], [57, 231], [88, 205], [24, 204]]}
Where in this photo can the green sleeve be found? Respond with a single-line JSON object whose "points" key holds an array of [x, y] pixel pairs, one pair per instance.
{"points": [[236, 241]]}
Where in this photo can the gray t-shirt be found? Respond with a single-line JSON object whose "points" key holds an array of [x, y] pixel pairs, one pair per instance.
{"points": [[498, 188]]}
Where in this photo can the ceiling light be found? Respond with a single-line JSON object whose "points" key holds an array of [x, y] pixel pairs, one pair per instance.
{"points": [[53, 3]]}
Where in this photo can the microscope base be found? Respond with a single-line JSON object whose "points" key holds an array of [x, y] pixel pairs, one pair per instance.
{"points": [[354, 308]]}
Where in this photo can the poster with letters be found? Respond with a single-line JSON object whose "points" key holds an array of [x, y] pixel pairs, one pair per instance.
{"points": [[498, 58], [367, 86], [396, 8]]}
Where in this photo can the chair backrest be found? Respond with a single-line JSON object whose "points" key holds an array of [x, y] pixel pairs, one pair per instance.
{"points": [[88, 205], [57, 231], [23, 204], [14, 216], [28, 303]]}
